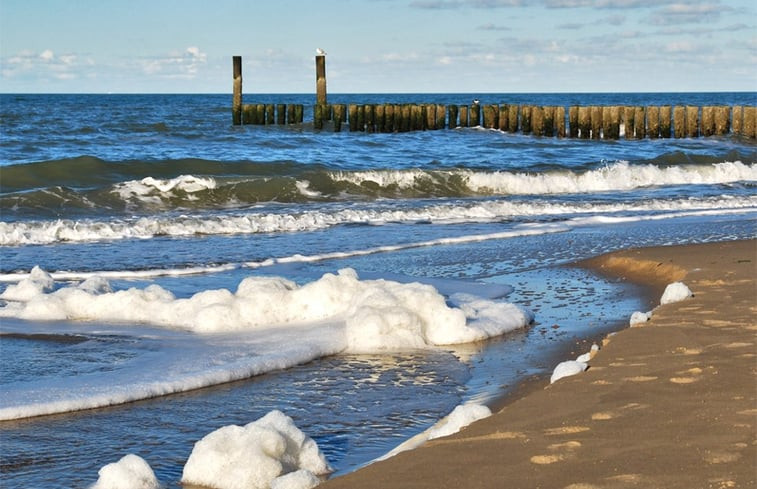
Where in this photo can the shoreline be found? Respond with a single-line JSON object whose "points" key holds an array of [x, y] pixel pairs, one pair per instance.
{"points": [[668, 403]]}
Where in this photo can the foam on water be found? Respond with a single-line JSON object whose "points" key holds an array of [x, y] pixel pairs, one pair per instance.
{"points": [[268, 323], [87, 230], [131, 472], [254, 456]]}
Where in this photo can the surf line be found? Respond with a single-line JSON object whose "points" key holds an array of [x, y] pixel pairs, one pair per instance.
{"points": [[297, 258]]}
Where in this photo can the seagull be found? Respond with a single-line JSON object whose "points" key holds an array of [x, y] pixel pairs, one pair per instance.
{"points": [[475, 101], [320, 52]]}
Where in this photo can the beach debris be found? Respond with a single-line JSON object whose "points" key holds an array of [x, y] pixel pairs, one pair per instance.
{"points": [[269, 452], [639, 317], [131, 472], [675, 292], [566, 369]]}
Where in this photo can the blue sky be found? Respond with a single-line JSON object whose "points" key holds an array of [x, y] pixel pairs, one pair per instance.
{"points": [[185, 46]]}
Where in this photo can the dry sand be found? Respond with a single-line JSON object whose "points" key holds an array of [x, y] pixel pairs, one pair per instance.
{"points": [[671, 403]]}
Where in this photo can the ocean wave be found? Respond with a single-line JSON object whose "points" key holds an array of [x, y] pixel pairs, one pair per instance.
{"points": [[19, 233], [112, 187]]}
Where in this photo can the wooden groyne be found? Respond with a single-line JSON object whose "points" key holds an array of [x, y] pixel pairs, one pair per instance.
{"points": [[592, 122], [584, 122]]}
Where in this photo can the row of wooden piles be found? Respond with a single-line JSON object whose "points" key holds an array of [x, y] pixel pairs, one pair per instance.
{"points": [[586, 122]]}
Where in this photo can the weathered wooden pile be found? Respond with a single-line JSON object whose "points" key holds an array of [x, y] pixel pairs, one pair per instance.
{"points": [[593, 122]]}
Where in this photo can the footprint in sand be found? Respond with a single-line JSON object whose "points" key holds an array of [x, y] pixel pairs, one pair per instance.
{"points": [[563, 451], [605, 415], [691, 376]]}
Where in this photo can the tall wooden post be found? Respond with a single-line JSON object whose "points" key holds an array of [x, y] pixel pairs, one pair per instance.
{"points": [[236, 99], [320, 79]]}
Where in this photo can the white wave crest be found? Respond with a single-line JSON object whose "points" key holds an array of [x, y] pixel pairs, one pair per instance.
{"points": [[47, 232], [152, 188], [618, 176]]}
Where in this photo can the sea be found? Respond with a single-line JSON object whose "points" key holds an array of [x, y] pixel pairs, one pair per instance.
{"points": [[164, 273]]}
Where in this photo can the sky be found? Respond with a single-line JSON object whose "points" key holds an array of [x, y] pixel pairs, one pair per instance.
{"points": [[378, 46]]}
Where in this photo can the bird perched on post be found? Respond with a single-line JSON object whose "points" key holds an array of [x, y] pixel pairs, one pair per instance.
{"points": [[320, 52]]}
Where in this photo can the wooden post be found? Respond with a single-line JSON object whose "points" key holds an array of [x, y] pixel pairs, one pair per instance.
{"points": [[474, 119], [708, 121], [320, 79], [488, 116], [270, 114], [512, 118], [281, 112], [722, 120], [596, 122], [560, 121], [749, 124], [653, 122], [628, 125], [369, 117], [452, 114], [248, 114], [441, 116], [611, 122], [299, 111], [339, 111], [549, 121], [738, 120], [291, 118], [503, 119], [665, 121], [537, 120], [361, 118], [405, 118], [236, 98], [318, 116], [692, 121], [639, 122], [381, 118], [573, 121], [430, 116], [389, 118], [464, 116], [260, 114], [584, 122], [397, 126], [525, 119], [352, 110], [679, 121]]}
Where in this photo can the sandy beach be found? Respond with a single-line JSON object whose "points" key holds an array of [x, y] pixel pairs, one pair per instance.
{"points": [[668, 403]]}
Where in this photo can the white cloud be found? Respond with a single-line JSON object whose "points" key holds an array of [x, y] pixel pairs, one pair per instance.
{"points": [[46, 55], [184, 64]]}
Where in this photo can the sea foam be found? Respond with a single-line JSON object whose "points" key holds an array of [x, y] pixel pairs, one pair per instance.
{"points": [[131, 472], [267, 323], [378, 314], [269, 452]]}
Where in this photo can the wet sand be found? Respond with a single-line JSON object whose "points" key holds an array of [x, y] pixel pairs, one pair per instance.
{"points": [[669, 403]]}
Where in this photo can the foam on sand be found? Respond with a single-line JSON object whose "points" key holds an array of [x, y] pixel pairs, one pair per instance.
{"points": [[131, 472], [675, 292], [460, 417], [567, 369], [255, 456]]}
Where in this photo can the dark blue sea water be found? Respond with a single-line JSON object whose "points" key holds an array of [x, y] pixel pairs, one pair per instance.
{"points": [[188, 271]]}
